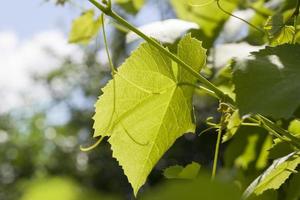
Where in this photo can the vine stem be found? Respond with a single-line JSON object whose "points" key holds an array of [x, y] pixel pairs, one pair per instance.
{"points": [[113, 71], [89, 148], [199, 87], [107, 10], [275, 130], [245, 21], [283, 133], [217, 150]]}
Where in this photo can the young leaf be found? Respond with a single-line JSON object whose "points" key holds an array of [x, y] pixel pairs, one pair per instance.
{"points": [[285, 36], [278, 32], [145, 108], [191, 171], [269, 82], [84, 28], [275, 175], [294, 127], [233, 124], [274, 24]]}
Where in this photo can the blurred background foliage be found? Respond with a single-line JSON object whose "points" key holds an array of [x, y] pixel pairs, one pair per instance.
{"points": [[40, 158]]}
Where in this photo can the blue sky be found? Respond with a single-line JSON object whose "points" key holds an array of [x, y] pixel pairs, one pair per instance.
{"points": [[26, 17], [28, 28]]}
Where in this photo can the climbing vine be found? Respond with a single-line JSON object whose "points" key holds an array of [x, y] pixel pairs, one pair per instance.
{"points": [[148, 103]]}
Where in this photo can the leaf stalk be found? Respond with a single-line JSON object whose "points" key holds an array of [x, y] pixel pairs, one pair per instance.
{"points": [[217, 149]]}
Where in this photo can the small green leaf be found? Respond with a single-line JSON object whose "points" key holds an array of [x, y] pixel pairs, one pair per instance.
{"points": [[84, 28], [233, 124], [285, 36], [268, 83], [278, 32], [294, 127], [145, 109], [173, 171], [191, 171], [274, 24], [275, 175]]}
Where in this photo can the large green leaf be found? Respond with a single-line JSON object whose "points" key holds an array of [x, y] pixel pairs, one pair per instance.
{"points": [[268, 83], [293, 192], [275, 175], [151, 108], [84, 28]]}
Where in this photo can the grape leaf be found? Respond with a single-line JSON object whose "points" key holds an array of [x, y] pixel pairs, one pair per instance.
{"points": [[280, 148], [278, 32], [84, 28], [288, 4], [294, 127], [293, 192], [274, 24], [148, 109], [190, 171], [233, 124], [275, 175], [268, 83]]}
